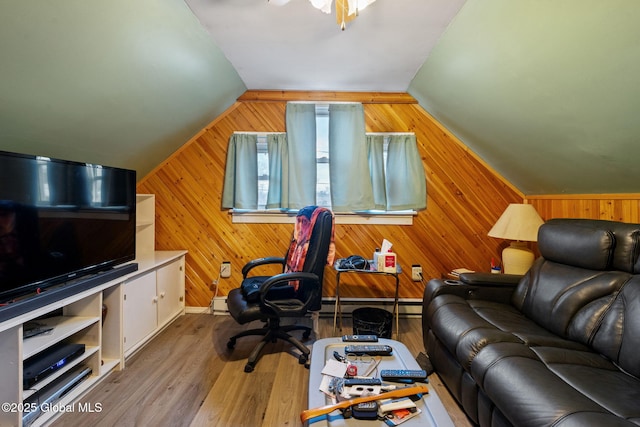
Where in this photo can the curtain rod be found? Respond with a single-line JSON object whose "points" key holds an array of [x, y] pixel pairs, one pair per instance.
{"points": [[366, 133], [390, 133], [255, 133], [323, 102]]}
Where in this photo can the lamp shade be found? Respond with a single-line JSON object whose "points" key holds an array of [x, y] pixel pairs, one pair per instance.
{"points": [[518, 222]]}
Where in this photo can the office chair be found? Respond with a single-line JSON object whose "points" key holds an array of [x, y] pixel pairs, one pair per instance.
{"points": [[292, 293]]}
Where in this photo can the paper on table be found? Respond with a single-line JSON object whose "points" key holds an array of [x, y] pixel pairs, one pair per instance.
{"points": [[334, 368]]}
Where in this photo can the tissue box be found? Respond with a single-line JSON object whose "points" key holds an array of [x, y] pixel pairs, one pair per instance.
{"points": [[386, 262]]}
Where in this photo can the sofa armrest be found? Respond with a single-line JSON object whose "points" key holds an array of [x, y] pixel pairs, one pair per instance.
{"points": [[499, 280], [474, 286]]}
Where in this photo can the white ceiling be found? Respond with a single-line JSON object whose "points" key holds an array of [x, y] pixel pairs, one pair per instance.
{"points": [[297, 47]]}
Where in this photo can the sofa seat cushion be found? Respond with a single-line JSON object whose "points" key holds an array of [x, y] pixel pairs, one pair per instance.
{"points": [[466, 326], [597, 378], [529, 392], [508, 319], [461, 330]]}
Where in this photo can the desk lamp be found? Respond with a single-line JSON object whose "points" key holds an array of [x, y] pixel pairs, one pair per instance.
{"points": [[519, 222]]}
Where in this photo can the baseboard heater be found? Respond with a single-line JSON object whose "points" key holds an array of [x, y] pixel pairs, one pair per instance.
{"points": [[407, 306]]}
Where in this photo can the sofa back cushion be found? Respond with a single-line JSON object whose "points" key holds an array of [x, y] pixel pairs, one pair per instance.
{"points": [[591, 243], [576, 245], [617, 334], [567, 300], [583, 265]]}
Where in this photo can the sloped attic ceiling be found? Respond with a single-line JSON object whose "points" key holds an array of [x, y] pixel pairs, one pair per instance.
{"points": [[122, 83], [295, 46], [545, 91]]}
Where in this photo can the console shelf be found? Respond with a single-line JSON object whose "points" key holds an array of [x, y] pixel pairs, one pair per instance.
{"points": [[105, 318], [63, 327]]}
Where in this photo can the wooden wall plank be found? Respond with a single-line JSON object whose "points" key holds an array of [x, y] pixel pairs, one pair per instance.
{"points": [[616, 207]]}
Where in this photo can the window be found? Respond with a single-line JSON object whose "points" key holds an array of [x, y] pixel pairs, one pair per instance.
{"points": [[323, 186], [44, 193], [365, 189], [95, 174]]}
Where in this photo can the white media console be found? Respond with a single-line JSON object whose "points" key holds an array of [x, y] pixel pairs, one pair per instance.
{"points": [[135, 307]]}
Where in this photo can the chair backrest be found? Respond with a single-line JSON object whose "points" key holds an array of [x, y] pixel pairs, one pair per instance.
{"points": [[311, 249]]}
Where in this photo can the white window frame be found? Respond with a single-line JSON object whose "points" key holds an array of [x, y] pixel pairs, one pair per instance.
{"points": [[278, 217], [264, 216]]}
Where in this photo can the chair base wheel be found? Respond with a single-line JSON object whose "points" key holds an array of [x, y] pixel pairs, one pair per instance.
{"points": [[302, 359], [248, 368]]}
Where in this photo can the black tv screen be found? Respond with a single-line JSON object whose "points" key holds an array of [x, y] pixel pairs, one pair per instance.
{"points": [[61, 220]]}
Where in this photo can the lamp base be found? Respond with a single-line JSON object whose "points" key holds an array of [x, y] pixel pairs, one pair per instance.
{"points": [[517, 258]]}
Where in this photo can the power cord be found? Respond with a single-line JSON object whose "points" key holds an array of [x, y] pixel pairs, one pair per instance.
{"points": [[215, 294]]}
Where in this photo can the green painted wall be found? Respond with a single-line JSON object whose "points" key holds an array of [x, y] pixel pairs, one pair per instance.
{"points": [[123, 83], [546, 91]]}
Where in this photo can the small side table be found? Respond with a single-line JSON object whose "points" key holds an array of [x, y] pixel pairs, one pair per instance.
{"points": [[337, 310]]}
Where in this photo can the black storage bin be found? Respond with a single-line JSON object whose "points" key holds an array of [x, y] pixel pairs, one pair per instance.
{"points": [[372, 321]]}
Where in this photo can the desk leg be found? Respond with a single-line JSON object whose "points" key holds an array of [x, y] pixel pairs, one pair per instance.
{"points": [[337, 308], [396, 307]]}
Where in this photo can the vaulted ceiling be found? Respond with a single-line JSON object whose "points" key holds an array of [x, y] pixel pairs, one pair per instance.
{"points": [[546, 92]]}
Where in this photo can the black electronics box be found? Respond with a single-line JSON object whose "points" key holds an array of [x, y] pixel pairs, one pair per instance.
{"points": [[48, 361]]}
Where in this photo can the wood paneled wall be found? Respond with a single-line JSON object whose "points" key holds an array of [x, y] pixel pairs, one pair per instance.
{"points": [[464, 199], [615, 207]]}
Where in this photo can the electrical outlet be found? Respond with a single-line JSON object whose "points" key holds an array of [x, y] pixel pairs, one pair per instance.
{"points": [[225, 269], [416, 272]]}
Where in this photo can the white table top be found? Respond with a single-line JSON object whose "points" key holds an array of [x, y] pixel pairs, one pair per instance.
{"points": [[433, 411]]}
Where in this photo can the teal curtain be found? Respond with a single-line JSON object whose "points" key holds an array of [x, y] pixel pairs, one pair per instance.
{"points": [[277, 149], [375, 148], [351, 188], [301, 149], [406, 180], [241, 173]]}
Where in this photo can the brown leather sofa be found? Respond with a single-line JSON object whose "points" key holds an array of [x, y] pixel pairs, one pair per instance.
{"points": [[559, 346]]}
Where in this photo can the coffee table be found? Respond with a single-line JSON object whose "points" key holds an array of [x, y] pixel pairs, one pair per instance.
{"points": [[433, 411]]}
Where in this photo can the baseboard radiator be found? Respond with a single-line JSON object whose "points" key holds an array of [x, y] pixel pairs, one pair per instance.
{"points": [[407, 307]]}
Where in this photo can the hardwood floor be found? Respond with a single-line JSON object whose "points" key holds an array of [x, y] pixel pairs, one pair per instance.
{"points": [[187, 377]]}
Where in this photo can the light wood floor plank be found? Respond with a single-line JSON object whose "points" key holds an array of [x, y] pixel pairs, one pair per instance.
{"points": [[186, 376]]}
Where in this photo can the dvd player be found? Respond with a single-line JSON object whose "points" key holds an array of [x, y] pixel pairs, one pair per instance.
{"points": [[43, 400], [48, 361]]}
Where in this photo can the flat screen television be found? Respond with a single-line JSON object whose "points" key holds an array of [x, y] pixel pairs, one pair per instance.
{"points": [[61, 220]]}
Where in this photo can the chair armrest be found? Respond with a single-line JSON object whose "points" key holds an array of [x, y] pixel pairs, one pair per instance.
{"points": [[289, 305], [261, 261]]}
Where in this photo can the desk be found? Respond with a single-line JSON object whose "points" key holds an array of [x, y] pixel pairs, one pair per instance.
{"points": [[337, 309]]}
